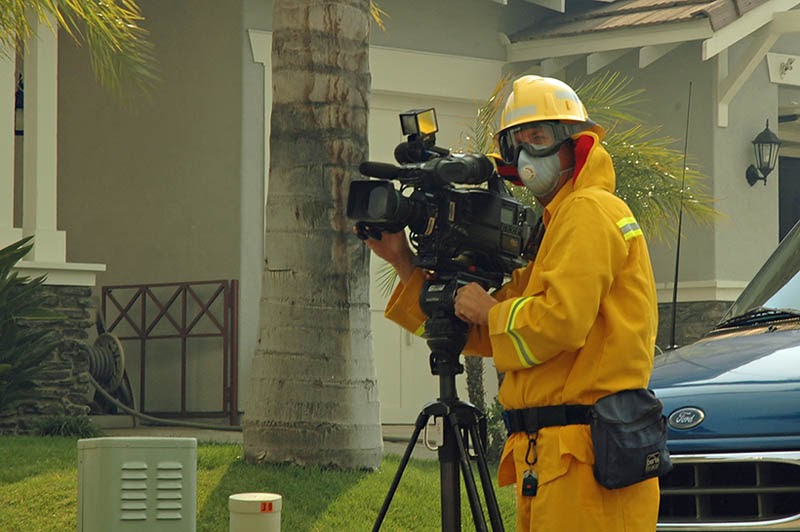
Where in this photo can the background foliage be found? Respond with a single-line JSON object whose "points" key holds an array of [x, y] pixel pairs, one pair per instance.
{"points": [[120, 54], [23, 349]]}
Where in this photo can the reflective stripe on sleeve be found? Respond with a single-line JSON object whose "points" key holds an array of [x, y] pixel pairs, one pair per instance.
{"points": [[526, 358], [629, 227], [420, 330]]}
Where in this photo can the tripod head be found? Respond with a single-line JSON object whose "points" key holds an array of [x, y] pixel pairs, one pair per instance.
{"points": [[445, 333]]}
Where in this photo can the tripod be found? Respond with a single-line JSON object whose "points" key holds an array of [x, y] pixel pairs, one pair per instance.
{"points": [[462, 421]]}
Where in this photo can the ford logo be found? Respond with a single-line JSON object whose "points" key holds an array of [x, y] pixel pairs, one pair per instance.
{"points": [[686, 418]]}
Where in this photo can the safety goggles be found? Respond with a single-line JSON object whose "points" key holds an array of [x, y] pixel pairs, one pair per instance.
{"points": [[538, 139]]}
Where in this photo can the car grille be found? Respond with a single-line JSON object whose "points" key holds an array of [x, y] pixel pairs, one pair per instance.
{"points": [[737, 491]]}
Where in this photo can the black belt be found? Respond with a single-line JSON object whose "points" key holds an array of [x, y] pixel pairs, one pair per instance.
{"points": [[530, 420]]}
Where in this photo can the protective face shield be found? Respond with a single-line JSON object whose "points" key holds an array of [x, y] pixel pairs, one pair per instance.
{"points": [[537, 139], [540, 174]]}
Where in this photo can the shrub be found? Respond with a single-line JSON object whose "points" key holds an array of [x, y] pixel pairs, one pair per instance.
{"points": [[23, 348], [63, 425], [496, 431]]}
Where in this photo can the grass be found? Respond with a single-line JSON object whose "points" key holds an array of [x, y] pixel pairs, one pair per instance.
{"points": [[39, 486]]}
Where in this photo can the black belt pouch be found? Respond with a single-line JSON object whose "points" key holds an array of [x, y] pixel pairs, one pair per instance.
{"points": [[629, 433]]}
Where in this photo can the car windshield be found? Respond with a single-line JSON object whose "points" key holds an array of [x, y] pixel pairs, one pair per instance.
{"points": [[776, 286]]}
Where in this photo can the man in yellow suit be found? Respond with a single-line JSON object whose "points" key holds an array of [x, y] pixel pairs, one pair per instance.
{"points": [[576, 324]]}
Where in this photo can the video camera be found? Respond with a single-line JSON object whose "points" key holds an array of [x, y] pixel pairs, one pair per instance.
{"points": [[482, 232]]}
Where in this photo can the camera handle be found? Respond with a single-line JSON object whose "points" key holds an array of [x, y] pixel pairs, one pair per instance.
{"points": [[463, 423]]}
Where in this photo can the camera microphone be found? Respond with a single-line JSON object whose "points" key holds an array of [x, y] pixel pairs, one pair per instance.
{"points": [[470, 169], [379, 170]]}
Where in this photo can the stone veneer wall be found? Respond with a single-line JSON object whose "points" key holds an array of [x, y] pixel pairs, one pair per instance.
{"points": [[64, 380], [692, 321]]}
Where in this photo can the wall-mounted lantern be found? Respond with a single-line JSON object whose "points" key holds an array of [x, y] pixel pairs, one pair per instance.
{"points": [[766, 146]]}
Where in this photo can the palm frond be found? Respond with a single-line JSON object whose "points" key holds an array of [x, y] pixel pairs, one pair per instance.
{"points": [[14, 26], [121, 57], [377, 14], [609, 100], [23, 349], [649, 177], [387, 278], [480, 135], [14, 252]]}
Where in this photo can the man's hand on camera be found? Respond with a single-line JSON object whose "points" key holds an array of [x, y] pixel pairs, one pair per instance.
{"points": [[394, 249], [472, 304]]}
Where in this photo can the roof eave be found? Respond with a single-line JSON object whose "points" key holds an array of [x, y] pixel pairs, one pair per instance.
{"points": [[603, 41], [751, 21], [715, 39]]}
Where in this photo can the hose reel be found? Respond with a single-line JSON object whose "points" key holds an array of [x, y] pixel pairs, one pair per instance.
{"points": [[107, 361], [107, 368]]}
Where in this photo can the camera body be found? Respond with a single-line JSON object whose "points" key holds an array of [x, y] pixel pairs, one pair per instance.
{"points": [[479, 230]]}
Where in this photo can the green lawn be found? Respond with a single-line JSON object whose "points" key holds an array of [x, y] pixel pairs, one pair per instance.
{"points": [[39, 487]]}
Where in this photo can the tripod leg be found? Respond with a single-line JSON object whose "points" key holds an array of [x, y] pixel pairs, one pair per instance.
{"points": [[449, 481], [486, 482], [422, 420], [469, 479]]}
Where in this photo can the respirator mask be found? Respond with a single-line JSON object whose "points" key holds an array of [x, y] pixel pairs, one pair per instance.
{"points": [[539, 174]]}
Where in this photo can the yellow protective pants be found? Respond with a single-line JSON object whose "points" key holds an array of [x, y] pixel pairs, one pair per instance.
{"points": [[575, 502]]}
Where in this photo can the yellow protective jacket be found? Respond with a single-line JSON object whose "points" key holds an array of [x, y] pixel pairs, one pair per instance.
{"points": [[576, 324]]}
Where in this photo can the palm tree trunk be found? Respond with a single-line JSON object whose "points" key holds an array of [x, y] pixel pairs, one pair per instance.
{"points": [[314, 395]]}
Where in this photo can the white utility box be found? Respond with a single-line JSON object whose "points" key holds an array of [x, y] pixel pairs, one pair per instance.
{"points": [[137, 485]]}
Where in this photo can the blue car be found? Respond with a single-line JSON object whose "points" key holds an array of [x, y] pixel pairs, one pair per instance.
{"points": [[732, 400]]}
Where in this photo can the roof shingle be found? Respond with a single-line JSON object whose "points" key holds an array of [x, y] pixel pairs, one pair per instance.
{"points": [[627, 14]]}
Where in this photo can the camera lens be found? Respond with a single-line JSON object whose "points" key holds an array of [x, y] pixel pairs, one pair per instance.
{"points": [[379, 204]]}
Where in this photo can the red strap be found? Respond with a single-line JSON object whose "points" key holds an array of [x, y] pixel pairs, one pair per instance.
{"points": [[509, 172]]}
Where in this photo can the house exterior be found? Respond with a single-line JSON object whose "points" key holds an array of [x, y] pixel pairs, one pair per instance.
{"points": [[173, 189]]}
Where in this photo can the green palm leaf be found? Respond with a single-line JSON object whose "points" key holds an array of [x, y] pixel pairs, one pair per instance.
{"points": [[609, 99], [649, 179], [120, 54], [23, 349]]}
